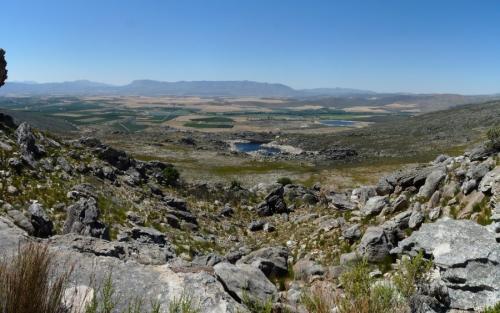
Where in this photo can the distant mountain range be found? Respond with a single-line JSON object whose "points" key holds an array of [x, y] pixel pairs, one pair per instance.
{"points": [[181, 88]]}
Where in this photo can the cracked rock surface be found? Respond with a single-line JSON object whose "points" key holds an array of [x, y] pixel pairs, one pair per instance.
{"points": [[467, 256]]}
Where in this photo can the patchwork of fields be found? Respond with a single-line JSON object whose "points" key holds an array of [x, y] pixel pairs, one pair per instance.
{"points": [[132, 114]]}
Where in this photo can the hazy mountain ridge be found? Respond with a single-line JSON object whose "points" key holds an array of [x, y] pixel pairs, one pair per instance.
{"points": [[180, 88]]}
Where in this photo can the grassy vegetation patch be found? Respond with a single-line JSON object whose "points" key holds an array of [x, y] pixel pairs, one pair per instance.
{"points": [[213, 119]]}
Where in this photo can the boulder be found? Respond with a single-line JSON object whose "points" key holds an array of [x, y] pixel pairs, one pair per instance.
{"points": [[272, 261], [362, 194], [374, 205], [352, 233], [21, 220], [256, 225], [385, 185], [306, 269], [431, 183], [468, 258], [40, 220], [341, 201], [468, 186], [401, 203], [145, 235], [489, 179], [210, 259], [243, 280], [114, 157], [82, 191], [375, 245], [477, 171], [481, 152], [416, 219], [227, 211], [273, 203], [441, 158], [83, 218], [30, 151]]}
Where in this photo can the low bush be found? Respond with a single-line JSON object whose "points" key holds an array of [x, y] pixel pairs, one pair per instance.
{"points": [[284, 181], [319, 299], [493, 135], [171, 175], [256, 306], [412, 272]]}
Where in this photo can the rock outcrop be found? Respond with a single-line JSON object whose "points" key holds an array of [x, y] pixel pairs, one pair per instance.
{"points": [[243, 281], [83, 218], [468, 258], [159, 283]]}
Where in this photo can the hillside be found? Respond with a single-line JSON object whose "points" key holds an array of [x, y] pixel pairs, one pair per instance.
{"points": [[412, 137], [241, 250]]}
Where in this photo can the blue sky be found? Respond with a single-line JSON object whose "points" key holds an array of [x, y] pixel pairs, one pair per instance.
{"points": [[403, 45]]}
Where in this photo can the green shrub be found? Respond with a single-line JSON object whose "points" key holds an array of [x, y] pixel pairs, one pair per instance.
{"points": [[235, 184], [493, 309], [363, 295], [493, 135], [171, 175], [256, 306], [184, 304], [412, 273], [284, 181]]}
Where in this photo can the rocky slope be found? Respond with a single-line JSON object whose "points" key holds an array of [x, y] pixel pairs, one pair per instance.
{"points": [[109, 212]]}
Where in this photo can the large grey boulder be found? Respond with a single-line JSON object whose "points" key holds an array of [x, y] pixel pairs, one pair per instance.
{"points": [[431, 183], [385, 185], [273, 203], [272, 261], [416, 219], [144, 235], [83, 218], [30, 151], [489, 179], [352, 232], [341, 201], [245, 281], [375, 245], [400, 204], [40, 220], [467, 256], [21, 220], [305, 269], [374, 205], [477, 171]]}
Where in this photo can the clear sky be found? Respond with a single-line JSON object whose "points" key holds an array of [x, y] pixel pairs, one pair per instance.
{"points": [[381, 45]]}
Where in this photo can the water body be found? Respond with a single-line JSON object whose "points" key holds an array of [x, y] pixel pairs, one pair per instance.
{"points": [[255, 147], [337, 123]]}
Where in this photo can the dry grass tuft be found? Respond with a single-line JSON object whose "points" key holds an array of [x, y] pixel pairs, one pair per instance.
{"points": [[30, 282]]}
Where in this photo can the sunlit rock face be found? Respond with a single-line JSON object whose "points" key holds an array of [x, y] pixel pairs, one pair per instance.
{"points": [[3, 68]]}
